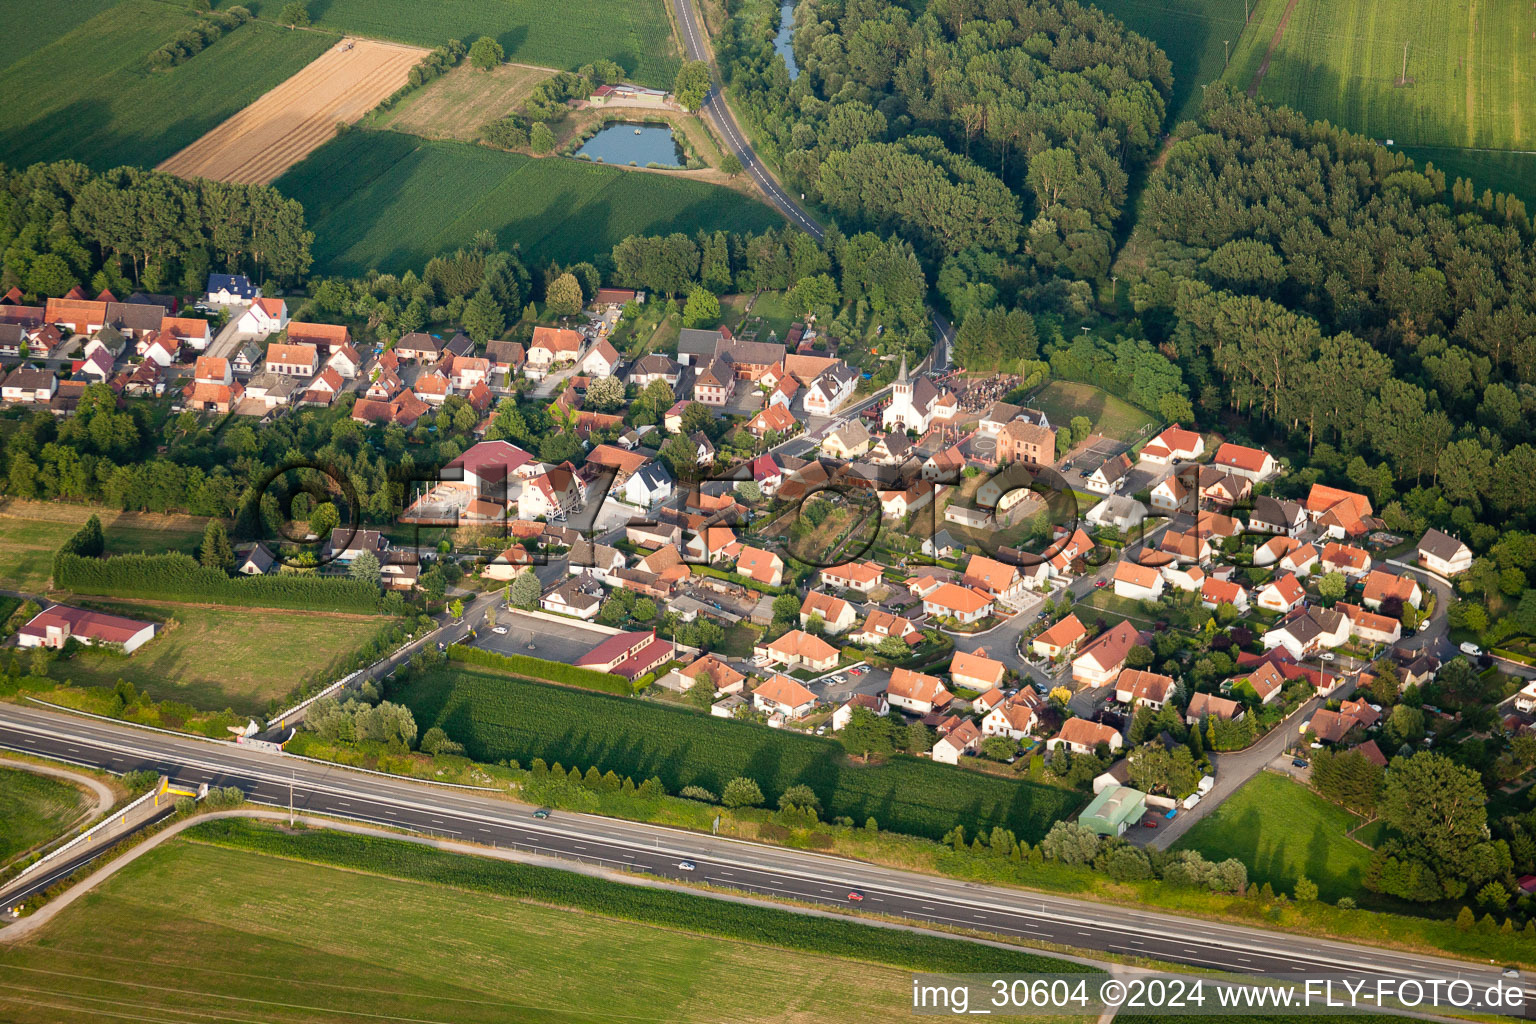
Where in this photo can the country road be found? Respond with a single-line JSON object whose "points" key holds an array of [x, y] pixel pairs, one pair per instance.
{"points": [[817, 879]]}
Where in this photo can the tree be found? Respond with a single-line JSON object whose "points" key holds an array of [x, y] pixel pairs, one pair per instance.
{"points": [[324, 518], [216, 552], [1139, 656], [295, 14], [563, 298], [800, 799], [1437, 805], [1331, 586], [1070, 843], [486, 53], [525, 590], [701, 309], [484, 318], [605, 393], [691, 85], [1306, 890], [1347, 778], [456, 609], [540, 138], [365, 567], [742, 792], [868, 733], [998, 748], [730, 164]]}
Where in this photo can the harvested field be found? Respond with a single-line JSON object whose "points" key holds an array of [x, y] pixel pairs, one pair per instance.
{"points": [[287, 124], [460, 103]]}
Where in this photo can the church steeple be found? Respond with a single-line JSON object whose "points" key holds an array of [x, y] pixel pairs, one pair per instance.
{"points": [[901, 378]]}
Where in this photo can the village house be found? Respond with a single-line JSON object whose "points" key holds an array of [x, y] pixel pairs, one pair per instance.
{"points": [[1081, 736], [847, 442], [1251, 464], [1299, 560], [550, 347], [880, 625], [916, 692], [783, 695], [1033, 444], [230, 290], [797, 648], [1208, 705], [1276, 515], [601, 360], [1138, 582], [1109, 474], [264, 317], [963, 739], [1174, 444], [418, 347], [715, 383], [1281, 594], [1344, 558], [860, 576], [29, 384], [765, 567], [1441, 553], [827, 393], [1138, 688], [550, 494], [652, 368], [1384, 586], [989, 576], [188, 332], [773, 419], [649, 485], [629, 655], [1369, 626], [1013, 717], [1172, 494], [707, 671], [53, 627], [709, 545], [1306, 631], [579, 596], [976, 671], [1103, 658], [1215, 592], [1267, 682], [962, 604], [874, 703], [292, 360], [1064, 636], [837, 615]]}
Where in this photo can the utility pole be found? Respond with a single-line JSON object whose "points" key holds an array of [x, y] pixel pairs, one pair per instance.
{"points": [[1226, 46], [1247, 12], [290, 798]]}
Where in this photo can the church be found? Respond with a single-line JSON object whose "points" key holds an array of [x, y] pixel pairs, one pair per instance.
{"points": [[914, 405]]}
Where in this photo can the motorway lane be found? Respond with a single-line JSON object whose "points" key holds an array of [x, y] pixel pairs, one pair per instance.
{"points": [[463, 814]]}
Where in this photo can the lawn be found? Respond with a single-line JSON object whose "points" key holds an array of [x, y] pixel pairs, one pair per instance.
{"points": [[439, 939], [34, 809], [459, 104], [391, 201], [1061, 400], [1468, 63], [1191, 33], [1282, 830], [566, 35], [215, 657], [90, 95], [498, 717], [31, 531]]}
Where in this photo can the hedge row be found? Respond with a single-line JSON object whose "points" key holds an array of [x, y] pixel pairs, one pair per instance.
{"points": [[736, 577], [685, 911], [538, 668], [178, 577]]}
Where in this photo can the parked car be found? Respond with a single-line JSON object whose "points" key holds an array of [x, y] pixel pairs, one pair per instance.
{"points": [[1297, 762], [1326, 656], [1470, 648], [500, 630], [1149, 822], [1100, 583]]}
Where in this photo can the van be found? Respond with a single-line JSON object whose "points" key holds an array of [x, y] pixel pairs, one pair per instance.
{"points": [[1206, 785], [1471, 649], [1191, 800]]}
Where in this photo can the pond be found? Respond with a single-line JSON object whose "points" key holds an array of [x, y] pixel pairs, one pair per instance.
{"points": [[640, 144], [782, 44]]}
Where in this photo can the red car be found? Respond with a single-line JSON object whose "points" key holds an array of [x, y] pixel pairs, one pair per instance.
{"points": [[854, 896], [1101, 583]]}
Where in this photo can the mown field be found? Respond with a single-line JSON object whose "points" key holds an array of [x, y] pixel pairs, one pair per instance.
{"points": [[460, 103], [90, 96], [216, 657], [33, 809], [635, 33], [497, 717], [385, 200], [388, 931], [31, 531], [1282, 830], [1469, 62], [1061, 400]]}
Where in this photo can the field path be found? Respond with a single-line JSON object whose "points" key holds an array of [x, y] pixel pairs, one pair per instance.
{"points": [[1469, 72], [1274, 44], [259, 143]]}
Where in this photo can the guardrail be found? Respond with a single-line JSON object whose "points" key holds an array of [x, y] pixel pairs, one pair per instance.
{"points": [[85, 836], [280, 719]]}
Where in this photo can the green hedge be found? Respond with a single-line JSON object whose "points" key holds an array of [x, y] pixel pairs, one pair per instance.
{"points": [[736, 577], [538, 668], [686, 911], [178, 577]]}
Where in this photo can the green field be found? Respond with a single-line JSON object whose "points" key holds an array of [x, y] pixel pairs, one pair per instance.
{"points": [[497, 717], [635, 33], [40, 22], [34, 809], [392, 201], [395, 932], [1514, 173], [90, 96], [1191, 33], [1282, 830], [30, 533], [217, 657], [1470, 63], [1061, 400]]}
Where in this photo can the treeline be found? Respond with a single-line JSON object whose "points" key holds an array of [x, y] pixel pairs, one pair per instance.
{"points": [[62, 225], [434, 65], [177, 577], [547, 105], [189, 42], [538, 668], [1009, 127]]}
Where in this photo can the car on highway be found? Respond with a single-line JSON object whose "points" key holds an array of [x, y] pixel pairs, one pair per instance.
{"points": [[854, 896], [1511, 972], [687, 865], [541, 813], [499, 630]]}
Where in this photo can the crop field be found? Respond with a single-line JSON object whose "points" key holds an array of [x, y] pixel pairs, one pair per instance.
{"points": [[497, 717], [40, 22], [385, 200], [1282, 830], [216, 657], [522, 948], [31, 531], [90, 95], [34, 809], [1514, 173], [1471, 68], [565, 35], [460, 103], [295, 119]]}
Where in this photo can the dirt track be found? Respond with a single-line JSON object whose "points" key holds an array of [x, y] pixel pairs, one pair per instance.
{"points": [[287, 124]]}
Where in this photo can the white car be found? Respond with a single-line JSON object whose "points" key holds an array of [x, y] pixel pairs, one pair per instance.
{"points": [[687, 865], [500, 630], [1471, 649], [1326, 656]]}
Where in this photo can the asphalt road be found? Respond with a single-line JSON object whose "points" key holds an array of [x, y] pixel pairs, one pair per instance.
{"points": [[813, 878]]}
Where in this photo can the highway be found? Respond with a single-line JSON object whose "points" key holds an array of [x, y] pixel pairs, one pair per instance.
{"points": [[467, 815]]}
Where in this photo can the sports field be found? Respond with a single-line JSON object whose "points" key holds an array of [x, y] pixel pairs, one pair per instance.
{"points": [[197, 932], [216, 657], [386, 200], [460, 103], [565, 35], [90, 96], [293, 120], [31, 531], [34, 809], [1470, 80]]}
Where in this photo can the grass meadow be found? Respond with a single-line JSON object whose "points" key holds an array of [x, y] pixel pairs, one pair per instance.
{"points": [[411, 935], [385, 200], [34, 809], [1061, 400], [565, 35], [460, 103], [31, 531], [90, 96], [1469, 65]]}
